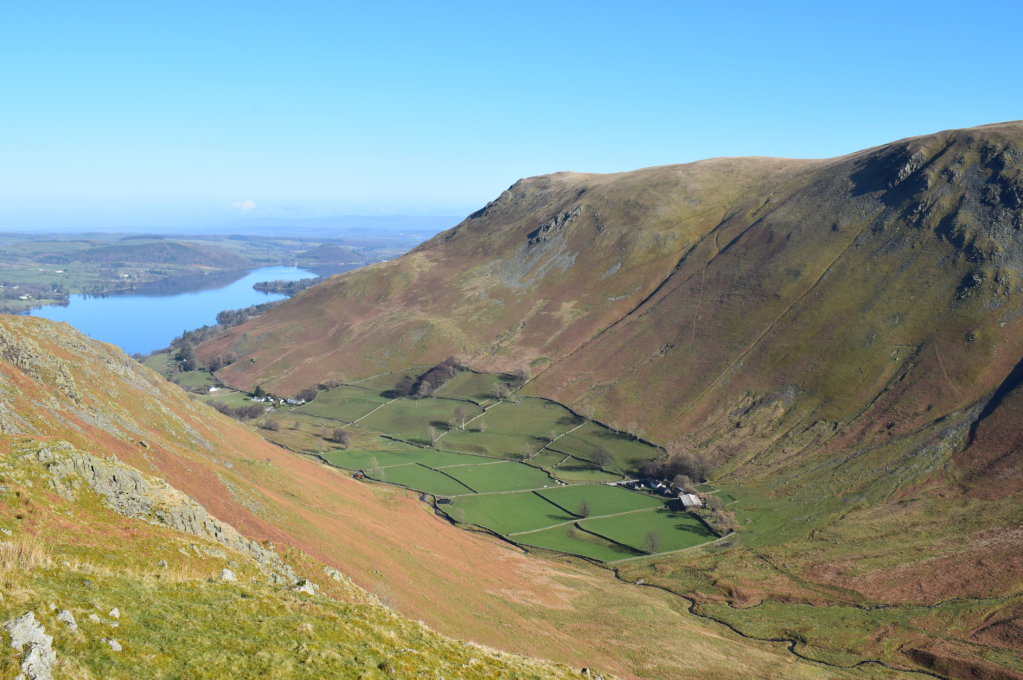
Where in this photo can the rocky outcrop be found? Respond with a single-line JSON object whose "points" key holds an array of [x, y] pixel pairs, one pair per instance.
{"points": [[128, 492], [29, 637]]}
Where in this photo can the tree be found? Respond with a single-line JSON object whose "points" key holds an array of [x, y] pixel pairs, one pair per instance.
{"points": [[683, 482], [651, 543], [639, 433], [259, 391], [551, 436], [374, 468], [632, 427], [308, 394], [342, 437], [520, 377], [296, 425], [584, 509], [424, 390], [602, 457], [434, 435], [404, 386], [215, 363], [271, 425], [615, 427], [527, 451], [586, 411], [482, 425], [460, 415], [500, 391]]}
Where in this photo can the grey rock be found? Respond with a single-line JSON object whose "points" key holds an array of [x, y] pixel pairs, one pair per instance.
{"points": [[114, 644], [68, 618], [307, 587], [30, 638], [232, 564], [115, 613], [7, 531], [228, 575], [94, 618], [162, 563]]}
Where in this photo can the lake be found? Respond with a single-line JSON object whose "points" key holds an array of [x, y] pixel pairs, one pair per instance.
{"points": [[152, 315]]}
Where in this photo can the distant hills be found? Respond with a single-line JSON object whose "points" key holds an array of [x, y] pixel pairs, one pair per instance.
{"points": [[168, 252]]}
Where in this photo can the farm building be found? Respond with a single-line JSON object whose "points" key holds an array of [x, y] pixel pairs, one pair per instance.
{"points": [[690, 500]]}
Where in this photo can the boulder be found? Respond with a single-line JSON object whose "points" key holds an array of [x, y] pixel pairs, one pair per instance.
{"points": [[29, 637]]}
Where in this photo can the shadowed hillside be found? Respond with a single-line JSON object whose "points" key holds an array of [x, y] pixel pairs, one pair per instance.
{"points": [[840, 337]]}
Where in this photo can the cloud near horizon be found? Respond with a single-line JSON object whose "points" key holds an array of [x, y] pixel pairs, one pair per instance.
{"points": [[243, 205]]}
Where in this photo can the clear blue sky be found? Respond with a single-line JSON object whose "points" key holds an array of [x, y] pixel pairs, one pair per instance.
{"points": [[147, 114]]}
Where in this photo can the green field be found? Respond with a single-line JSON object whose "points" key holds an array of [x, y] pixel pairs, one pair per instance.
{"points": [[411, 419], [346, 404], [386, 382], [360, 459], [602, 499], [532, 417], [584, 475], [491, 444], [508, 513], [229, 397], [475, 387], [506, 476], [677, 530], [421, 479], [627, 452], [571, 539], [546, 459]]}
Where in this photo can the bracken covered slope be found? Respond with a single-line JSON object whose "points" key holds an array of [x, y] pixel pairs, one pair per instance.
{"points": [[77, 412]]}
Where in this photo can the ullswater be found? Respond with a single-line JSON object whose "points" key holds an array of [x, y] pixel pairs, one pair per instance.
{"points": [[152, 315]]}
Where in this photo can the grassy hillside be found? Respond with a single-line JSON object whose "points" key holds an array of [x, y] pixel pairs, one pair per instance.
{"points": [[60, 386], [839, 337]]}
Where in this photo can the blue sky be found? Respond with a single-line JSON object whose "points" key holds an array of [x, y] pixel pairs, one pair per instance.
{"points": [[117, 115]]}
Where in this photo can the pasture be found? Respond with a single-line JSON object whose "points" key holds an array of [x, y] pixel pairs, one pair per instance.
{"points": [[411, 420], [602, 499], [571, 539], [503, 476], [474, 387], [675, 530], [628, 453], [362, 459], [346, 404], [420, 478], [508, 513]]}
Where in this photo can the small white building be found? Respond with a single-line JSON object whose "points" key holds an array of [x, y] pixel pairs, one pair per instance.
{"points": [[690, 500]]}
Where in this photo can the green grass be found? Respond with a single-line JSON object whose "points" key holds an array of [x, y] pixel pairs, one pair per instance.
{"points": [[508, 513], [422, 479], [602, 499], [386, 382], [346, 404], [504, 476], [411, 419], [490, 444], [229, 397], [571, 539], [475, 387], [584, 475], [677, 530], [546, 459], [194, 379], [628, 453], [161, 363], [360, 459], [533, 417]]}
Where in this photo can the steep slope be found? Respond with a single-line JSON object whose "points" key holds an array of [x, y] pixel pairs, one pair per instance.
{"points": [[841, 338], [57, 385]]}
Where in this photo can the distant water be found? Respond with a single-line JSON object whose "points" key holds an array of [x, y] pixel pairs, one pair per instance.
{"points": [[152, 315]]}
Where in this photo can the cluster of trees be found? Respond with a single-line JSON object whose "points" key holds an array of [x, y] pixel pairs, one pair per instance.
{"points": [[286, 287], [185, 343], [692, 467], [247, 412], [429, 382]]}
